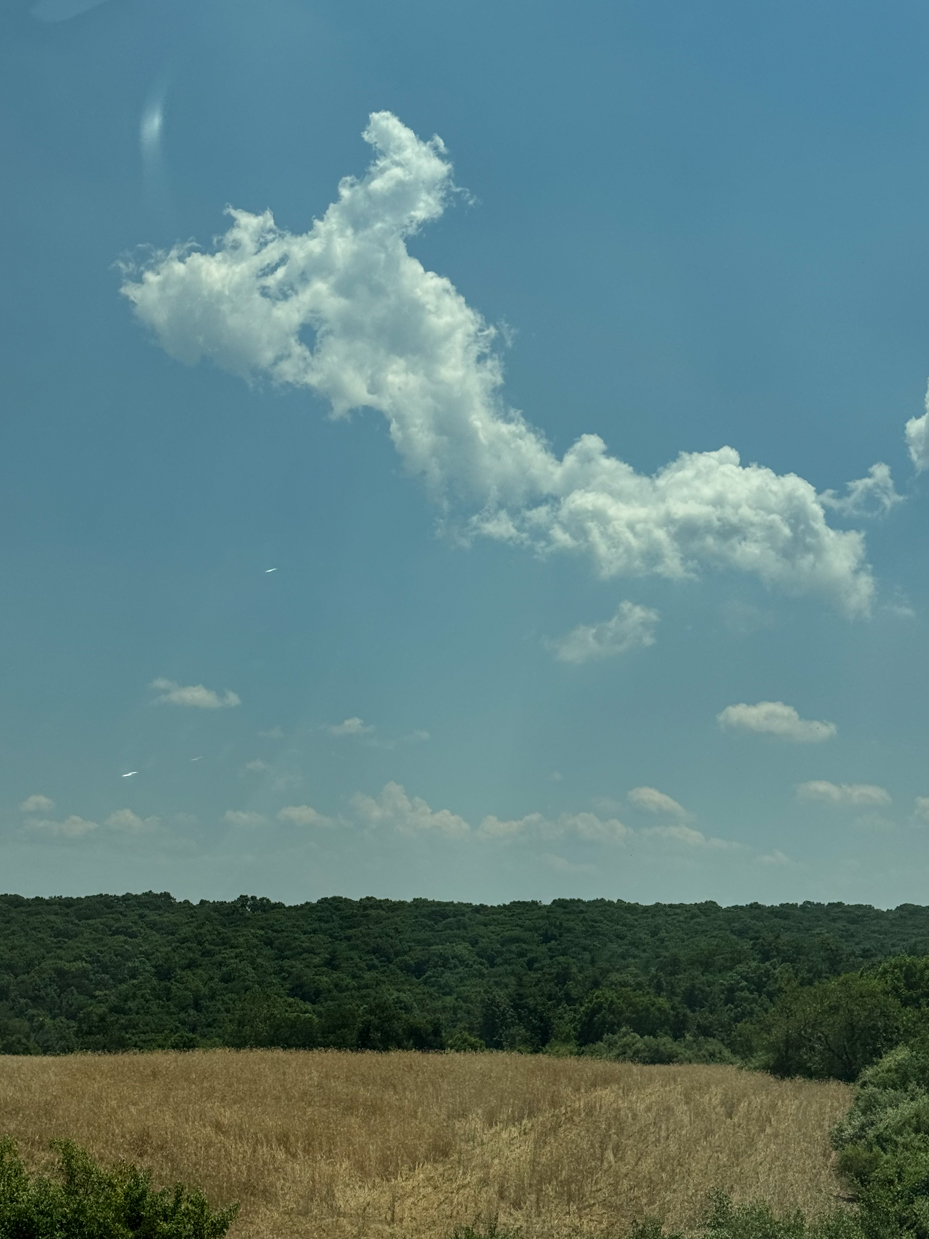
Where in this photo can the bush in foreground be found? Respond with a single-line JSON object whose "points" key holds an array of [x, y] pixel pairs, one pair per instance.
{"points": [[82, 1200], [724, 1220]]}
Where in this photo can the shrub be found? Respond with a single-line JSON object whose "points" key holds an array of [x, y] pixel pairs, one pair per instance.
{"points": [[724, 1220], [81, 1200]]}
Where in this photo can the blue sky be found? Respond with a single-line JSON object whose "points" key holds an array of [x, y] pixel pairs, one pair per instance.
{"points": [[537, 510]]}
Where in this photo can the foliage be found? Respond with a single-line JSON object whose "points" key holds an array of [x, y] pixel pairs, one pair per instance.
{"points": [[84, 1201], [756, 1220], [659, 983], [883, 1144], [833, 1029]]}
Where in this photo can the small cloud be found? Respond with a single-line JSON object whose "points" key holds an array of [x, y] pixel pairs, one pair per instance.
{"points": [[917, 439], [587, 826], [775, 858], [653, 801], [239, 817], [37, 804], [71, 828], [194, 695], [50, 11], [874, 495], [902, 610], [590, 826], [273, 733], [349, 727], [860, 794], [744, 618], [556, 776], [561, 864], [256, 767], [393, 807], [303, 815], [686, 835], [632, 627], [774, 718], [922, 808], [130, 823]]}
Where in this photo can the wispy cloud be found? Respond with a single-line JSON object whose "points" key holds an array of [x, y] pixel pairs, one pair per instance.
{"points": [[303, 815], [72, 827], [774, 718], [123, 821], [632, 627], [350, 727], [688, 836], [242, 817], [256, 767], [874, 495], [37, 804], [859, 795], [194, 695], [654, 801], [922, 808], [389, 335], [395, 809]]}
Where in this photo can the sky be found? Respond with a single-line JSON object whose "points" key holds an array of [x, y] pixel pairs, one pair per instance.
{"points": [[465, 451]]}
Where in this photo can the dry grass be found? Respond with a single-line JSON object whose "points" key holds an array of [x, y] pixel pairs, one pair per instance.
{"points": [[349, 1146]]}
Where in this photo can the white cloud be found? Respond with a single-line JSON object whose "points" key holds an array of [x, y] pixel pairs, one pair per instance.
{"points": [[917, 439], [240, 817], [858, 794], [192, 695], [389, 335], [71, 828], [256, 767], [774, 718], [410, 816], [37, 804], [744, 618], [687, 835], [874, 495], [584, 825], [303, 815], [395, 808], [922, 808], [350, 727], [129, 822], [630, 628], [654, 801]]}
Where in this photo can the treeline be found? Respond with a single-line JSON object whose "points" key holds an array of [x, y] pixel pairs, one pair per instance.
{"points": [[657, 983]]}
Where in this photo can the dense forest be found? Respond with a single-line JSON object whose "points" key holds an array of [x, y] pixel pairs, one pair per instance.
{"points": [[817, 989]]}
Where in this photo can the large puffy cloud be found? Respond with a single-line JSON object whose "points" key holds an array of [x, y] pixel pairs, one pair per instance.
{"points": [[346, 311], [774, 718], [410, 816], [630, 628]]}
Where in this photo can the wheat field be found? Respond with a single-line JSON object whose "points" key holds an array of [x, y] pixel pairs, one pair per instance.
{"points": [[350, 1146]]}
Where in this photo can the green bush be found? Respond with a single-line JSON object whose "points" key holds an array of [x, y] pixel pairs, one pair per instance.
{"points": [[81, 1200], [627, 1046], [724, 1220], [834, 1029], [883, 1144]]}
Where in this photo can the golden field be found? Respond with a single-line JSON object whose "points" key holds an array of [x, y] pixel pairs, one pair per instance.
{"points": [[345, 1146]]}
